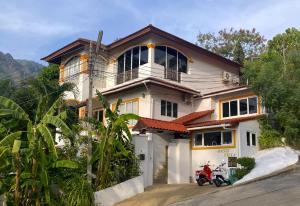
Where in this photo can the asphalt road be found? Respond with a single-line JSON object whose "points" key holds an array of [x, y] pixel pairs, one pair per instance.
{"points": [[281, 190]]}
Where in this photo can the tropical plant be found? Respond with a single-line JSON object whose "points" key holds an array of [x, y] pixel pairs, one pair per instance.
{"points": [[275, 76], [113, 158], [247, 164], [31, 151]]}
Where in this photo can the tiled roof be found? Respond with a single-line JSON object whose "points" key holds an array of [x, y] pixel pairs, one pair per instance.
{"points": [[223, 121], [147, 123], [192, 116]]}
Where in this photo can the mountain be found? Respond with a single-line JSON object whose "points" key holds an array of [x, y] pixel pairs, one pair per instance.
{"points": [[17, 69]]}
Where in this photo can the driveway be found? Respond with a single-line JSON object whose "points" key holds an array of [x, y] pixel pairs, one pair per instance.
{"points": [[280, 190], [159, 195]]}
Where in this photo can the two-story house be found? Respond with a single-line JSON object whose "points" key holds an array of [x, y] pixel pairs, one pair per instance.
{"points": [[192, 108]]}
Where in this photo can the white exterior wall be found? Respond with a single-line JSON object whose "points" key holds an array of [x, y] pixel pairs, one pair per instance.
{"points": [[244, 127], [159, 150]]}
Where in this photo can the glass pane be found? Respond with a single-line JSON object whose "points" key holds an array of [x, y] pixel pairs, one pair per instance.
{"points": [[163, 107], [144, 55], [182, 63], [248, 138], [243, 106], [227, 137], [254, 139], [233, 108], [198, 139], [175, 112], [121, 64], [169, 109], [252, 105], [129, 107], [212, 138], [100, 116], [135, 107], [135, 57], [225, 109], [172, 59], [122, 108], [160, 55], [128, 60]]}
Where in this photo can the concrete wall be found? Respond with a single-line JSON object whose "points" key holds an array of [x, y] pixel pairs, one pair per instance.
{"points": [[2, 200], [179, 161], [159, 150], [119, 192], [244, 127]]}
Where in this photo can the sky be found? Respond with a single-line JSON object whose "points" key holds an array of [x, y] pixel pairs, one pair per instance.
{"points": [[31, 29]]}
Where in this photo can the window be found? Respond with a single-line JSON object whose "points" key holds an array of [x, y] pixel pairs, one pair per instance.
{"points": [[198, 140], [233, 108], [170, 59], [248, 139], [130, 61], [168, 109], [98, 115], [212, 138], [252, 105], [251, 139], [129, 106], [243, 106], [217, 138], [72, 67], [226, 109], [238, 107], [227, 138]]}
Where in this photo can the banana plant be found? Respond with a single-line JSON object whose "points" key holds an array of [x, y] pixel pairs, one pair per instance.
{"points": [[32, 150], [114, 138]]}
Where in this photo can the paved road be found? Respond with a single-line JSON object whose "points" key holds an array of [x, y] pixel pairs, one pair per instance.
{"points": [[282, 190], [160, 195]]}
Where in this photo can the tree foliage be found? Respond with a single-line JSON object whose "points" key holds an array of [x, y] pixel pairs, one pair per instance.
{"points": [[275, 76], [233, 44]]}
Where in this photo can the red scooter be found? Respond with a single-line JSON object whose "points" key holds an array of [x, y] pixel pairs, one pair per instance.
{"points": [[204, 175]]}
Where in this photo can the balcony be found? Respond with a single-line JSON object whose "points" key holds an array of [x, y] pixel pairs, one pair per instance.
{"points": [[173, 75], [127, 76]]}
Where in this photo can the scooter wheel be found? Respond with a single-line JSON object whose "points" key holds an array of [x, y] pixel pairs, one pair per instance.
{"points": [[200, 181], [228, 182], [218, 182]]}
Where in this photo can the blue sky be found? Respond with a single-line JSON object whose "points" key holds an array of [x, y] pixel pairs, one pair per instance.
{"points": [[31, 29]]}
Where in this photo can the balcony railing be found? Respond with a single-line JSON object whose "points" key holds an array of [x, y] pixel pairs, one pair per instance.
{"points": [[127, 75], [172, 75]]}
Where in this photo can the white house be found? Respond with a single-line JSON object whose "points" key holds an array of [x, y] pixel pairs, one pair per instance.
{"points": [[191, 104]]}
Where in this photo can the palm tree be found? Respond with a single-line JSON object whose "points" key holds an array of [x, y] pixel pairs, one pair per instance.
{"points": [[114, 146], [32, 150]]}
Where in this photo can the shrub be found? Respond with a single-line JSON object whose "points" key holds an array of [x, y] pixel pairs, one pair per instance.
{"points": [[247, 164], [269, 138]]}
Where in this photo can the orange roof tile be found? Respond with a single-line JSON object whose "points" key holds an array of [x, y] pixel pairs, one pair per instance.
{"points": [[192, 116], [144, 123]]}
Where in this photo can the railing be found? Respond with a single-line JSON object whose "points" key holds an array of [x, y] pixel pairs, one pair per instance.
{"points": [[127, 75], [172, 75]]}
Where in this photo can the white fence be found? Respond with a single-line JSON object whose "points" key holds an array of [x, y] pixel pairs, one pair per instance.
{"points": [[119, 192]]}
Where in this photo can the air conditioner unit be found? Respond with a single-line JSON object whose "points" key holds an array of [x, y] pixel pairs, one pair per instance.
{"points": [[226, 76], [236, 80]]}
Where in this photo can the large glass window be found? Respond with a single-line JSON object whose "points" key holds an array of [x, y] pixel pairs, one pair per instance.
{"points": [[72, 67], [226, 109], [240, 107], [169, 109], [252, 105], [243, 106], [216, 138], [130, 61], [251, 139], [170, 59], [131, 106], [198, 140], [212, 138]]}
